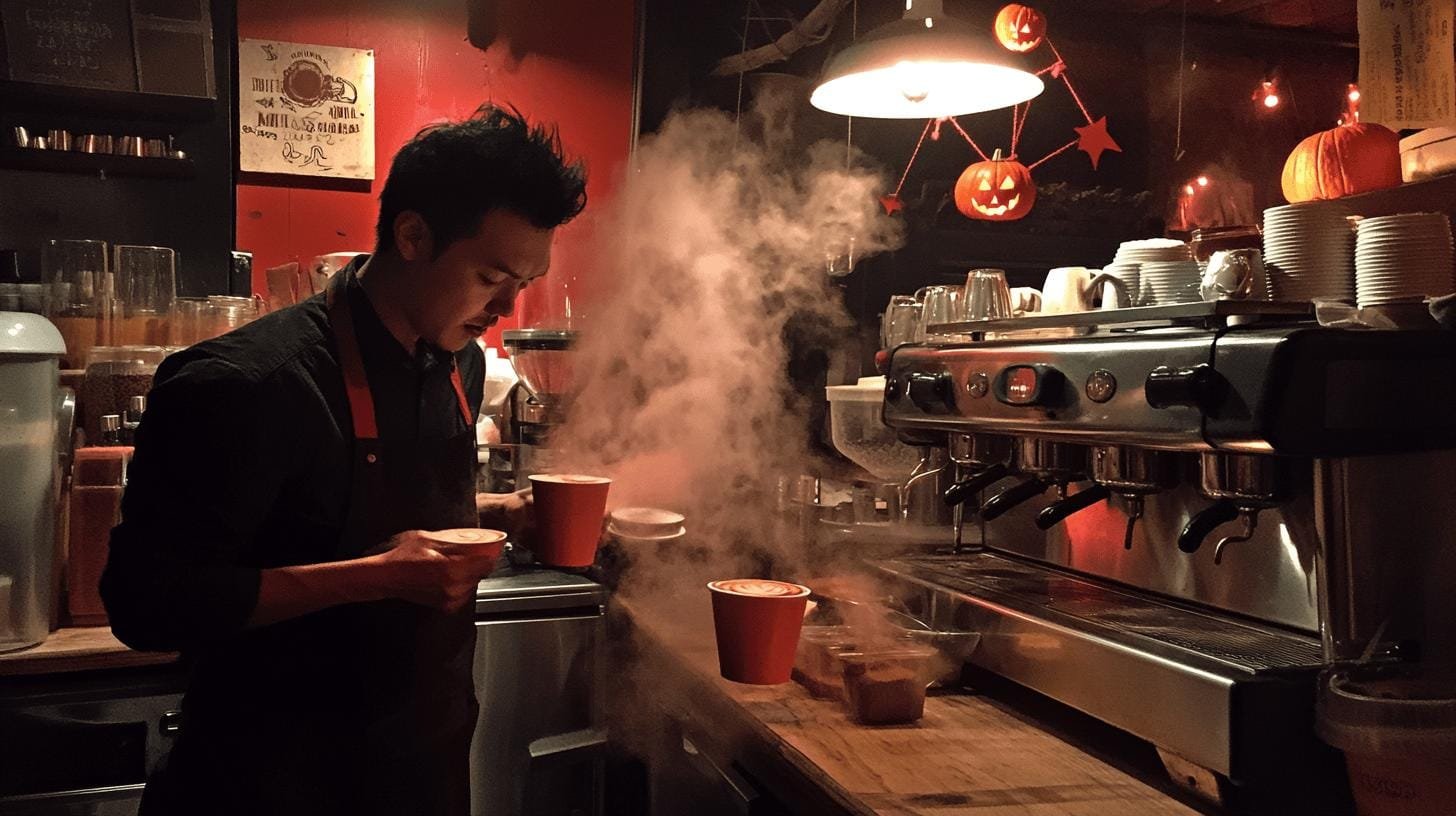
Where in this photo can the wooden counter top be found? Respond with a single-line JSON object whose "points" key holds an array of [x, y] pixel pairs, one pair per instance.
{"points": [[81, 648], [972, 754]]}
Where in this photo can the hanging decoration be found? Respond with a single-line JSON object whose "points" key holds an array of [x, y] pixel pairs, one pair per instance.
{"points": [[998, 189], [1020, 28], [982, 192]]}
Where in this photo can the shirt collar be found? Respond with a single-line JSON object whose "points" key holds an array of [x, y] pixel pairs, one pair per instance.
{"points": [[376, 342]]}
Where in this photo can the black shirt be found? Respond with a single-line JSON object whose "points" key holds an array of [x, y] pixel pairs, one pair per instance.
{"points": [[242, 463]]}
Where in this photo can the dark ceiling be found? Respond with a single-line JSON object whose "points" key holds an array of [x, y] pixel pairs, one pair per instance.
{"points": [[1327, 16]]}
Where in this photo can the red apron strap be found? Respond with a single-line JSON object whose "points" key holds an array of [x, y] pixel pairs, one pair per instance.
{"points": [[356, 382], [460, 392]]}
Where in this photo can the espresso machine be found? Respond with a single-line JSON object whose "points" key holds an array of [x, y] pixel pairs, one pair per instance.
{"points": [[1175, 518]]}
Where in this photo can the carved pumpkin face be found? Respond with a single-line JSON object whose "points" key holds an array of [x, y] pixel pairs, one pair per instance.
{"points": [[995, 190], [1020, 28], [1335, 163]]}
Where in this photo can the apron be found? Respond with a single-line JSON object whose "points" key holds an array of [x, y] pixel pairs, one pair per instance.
{"points": [[386, 710]]}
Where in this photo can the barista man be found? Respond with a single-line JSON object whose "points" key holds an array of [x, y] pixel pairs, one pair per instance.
{"points": [[270, 526]]}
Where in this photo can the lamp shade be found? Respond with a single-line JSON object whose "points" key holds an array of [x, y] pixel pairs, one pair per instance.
{"points": [[923, 66]]}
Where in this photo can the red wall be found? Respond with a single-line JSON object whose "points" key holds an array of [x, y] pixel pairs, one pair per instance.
{"points": [[569, 62]]}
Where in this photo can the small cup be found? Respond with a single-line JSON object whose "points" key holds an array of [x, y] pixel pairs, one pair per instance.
{"points": [[469, 541], [940, 304], [900, 321], [569, 513], [1025, 300], [757, 625], [59, 139], [987, 296]]}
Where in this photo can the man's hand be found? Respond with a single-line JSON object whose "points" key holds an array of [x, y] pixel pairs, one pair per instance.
{"points": [[416, 569], [508, 512]]}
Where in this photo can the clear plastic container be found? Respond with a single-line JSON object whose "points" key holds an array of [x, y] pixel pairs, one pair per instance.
{"points": [[115, 374], [817, 666], [887, 687], [859, 432], [1398, 735]]}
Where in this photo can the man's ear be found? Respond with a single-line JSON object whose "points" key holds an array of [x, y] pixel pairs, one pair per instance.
{"points": [[412, 237]]}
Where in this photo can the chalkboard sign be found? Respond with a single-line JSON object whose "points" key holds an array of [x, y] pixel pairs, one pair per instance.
{"points": [[80, 43]]}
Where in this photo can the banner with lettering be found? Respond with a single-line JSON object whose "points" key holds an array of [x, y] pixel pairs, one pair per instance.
{"points": [[1407, 67], [305, 109]]}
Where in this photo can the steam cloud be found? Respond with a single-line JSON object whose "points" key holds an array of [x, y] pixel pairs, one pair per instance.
{"points": [[715, 241]]}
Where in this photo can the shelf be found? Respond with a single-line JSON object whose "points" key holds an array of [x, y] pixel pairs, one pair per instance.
{"points": [[1209, 314], [98, 164], [98, 102]]}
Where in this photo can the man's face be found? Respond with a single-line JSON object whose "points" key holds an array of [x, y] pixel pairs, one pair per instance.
{"points": [[464, 290]]}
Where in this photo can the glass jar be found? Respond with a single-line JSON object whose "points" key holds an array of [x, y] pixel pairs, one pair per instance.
{"points": [[115, 374], [1208, 240]]}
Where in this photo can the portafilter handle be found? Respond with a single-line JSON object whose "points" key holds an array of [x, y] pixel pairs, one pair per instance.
{"points": [[962, 491], [1002, 502], [1204, 523], [1057, 512]]}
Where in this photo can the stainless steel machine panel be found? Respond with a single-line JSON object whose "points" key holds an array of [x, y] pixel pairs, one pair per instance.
{"points": [[539, 741], [1114, 366]]}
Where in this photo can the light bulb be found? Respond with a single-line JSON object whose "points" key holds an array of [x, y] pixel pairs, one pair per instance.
{"points": [[1203, 181], [913, 80], [1188, 189], [1271, 100]]}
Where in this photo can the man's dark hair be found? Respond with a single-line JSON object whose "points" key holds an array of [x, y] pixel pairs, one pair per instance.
{"points": [[453, 174]]}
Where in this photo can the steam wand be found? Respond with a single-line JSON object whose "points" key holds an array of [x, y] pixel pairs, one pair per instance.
{"points": [[1250, 517]]}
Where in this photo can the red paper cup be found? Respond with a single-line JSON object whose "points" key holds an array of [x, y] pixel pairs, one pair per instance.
{"points": [[757, 624], [569, 513], [468, 540]]}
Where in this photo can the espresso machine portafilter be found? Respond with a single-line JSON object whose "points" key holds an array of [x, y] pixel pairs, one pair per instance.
{"points": [[1133, 473], [1241, 485]]}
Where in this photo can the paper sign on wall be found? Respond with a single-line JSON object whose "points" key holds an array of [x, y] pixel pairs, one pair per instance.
{"points": [[1407, 63], [305, 109]]}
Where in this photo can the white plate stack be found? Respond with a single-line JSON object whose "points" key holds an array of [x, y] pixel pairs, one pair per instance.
{"points": [[1309, 252], [1404, 257], [1161, 270]]}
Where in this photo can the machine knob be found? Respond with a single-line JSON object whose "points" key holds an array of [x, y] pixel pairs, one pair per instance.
{"points": [[1193, 387], [932, 393]]}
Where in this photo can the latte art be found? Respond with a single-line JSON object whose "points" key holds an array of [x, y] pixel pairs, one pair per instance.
{"points": [[569, 478], [760, 588]]}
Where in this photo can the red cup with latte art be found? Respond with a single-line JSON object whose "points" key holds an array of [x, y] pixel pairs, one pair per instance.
{"points": [[569, 513], [757, 624], [467, 541]]}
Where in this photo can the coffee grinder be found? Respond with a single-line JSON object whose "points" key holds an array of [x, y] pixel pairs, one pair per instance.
{"points": [[537, 404]]}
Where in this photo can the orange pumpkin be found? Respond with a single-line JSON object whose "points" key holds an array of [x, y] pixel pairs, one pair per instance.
{"points": [[1349, 159], [1020, 28], [995, 190]]}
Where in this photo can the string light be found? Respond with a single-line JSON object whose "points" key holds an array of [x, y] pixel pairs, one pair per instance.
{"points": [[1267, 94], [1203, 181]]}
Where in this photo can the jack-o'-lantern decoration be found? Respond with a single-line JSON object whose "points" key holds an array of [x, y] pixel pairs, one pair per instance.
{"points": [[1349, 159], [1020, 28], [995, 190]]}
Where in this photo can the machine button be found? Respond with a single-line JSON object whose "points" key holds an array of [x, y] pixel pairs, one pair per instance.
{"points": [[1029, 385], [1101, 385], [978, 384], [1191, 387], [932, 393]]}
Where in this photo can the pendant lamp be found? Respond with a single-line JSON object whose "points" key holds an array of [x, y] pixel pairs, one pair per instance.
{"points": [[924, 65]]}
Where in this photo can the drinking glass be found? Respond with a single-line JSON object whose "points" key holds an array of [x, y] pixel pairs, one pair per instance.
{"points": [[146, 280], [987, 297], [79, 295], [900, 321], [939, 304]]}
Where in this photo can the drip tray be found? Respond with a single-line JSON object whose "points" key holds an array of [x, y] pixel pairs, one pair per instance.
{"points": [[1139, 620], [1212, 688]]}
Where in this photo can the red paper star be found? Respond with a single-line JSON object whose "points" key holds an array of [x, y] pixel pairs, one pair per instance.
{"points": [[1093, 139], [891, 203]]}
